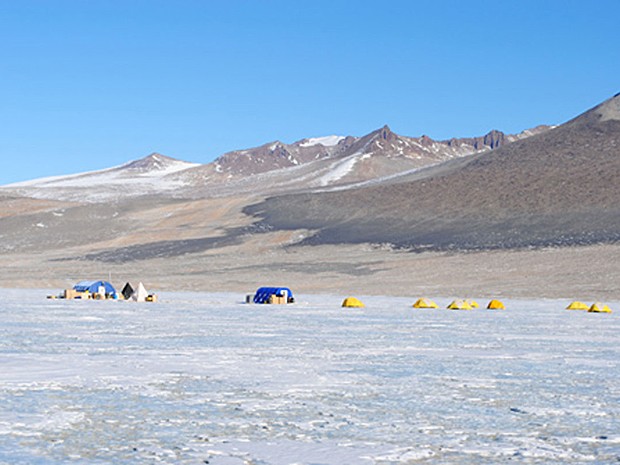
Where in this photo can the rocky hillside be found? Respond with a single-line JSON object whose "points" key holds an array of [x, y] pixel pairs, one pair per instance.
{"points": [[558, 187]]}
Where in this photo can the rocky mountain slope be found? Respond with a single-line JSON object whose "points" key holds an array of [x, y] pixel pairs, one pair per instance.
{"points": [[558, 187]]}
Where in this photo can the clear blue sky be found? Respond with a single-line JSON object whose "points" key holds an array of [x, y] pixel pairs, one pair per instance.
{"points": [[88, 84]]}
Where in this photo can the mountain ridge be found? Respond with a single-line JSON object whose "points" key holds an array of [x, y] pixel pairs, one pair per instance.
{"points": [[382, 142], [326, 161]]}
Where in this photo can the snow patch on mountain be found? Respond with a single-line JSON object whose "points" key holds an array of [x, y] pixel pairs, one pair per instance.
{"points": [[129, 173], [327, 141], [58, 180], [339, 170]]}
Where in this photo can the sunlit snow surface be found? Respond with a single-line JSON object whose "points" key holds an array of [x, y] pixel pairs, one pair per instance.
{"points": [[204, 378]]}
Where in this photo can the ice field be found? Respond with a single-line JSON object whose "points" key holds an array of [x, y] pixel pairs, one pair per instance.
{"points": [[207, 379]]}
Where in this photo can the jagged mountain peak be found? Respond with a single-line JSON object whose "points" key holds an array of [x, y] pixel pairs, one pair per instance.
{"points": [[384, 133], [273, 146], [494, 138]]}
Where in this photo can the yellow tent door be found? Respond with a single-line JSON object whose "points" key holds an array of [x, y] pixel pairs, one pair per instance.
{"points": [[598, 307], [496, 305]]}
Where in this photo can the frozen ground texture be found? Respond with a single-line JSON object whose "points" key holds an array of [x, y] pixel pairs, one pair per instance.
{"points": [[204, 378]]}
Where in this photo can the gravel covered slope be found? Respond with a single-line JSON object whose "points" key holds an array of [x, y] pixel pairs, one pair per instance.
{"points": [[556, 188]]}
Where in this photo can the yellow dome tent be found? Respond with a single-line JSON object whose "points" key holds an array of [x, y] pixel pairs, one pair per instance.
{"points": [[598, 307], [352, 302], [473, 303], [425, 303], [576, 305], [496, 305], [460, 305]]}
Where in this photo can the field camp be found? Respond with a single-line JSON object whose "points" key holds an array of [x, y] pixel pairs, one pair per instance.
{"points": [[103, 290], [279, 295]]}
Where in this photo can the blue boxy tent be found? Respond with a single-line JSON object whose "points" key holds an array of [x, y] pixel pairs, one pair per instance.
{"points": [[262, 294], [93, 287]]}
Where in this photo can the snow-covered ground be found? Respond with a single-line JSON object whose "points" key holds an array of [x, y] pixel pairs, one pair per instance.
{"points": [[204, 378]]}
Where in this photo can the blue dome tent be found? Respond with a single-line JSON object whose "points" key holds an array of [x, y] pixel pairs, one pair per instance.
{"points": [[264, 293], [94, 286]]}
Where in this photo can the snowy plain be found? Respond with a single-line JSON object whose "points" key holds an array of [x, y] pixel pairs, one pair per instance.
{"points": [[203, 378]]}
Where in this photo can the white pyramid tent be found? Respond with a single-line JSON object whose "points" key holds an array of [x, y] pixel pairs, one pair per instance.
{"points": [[140, 294]]}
